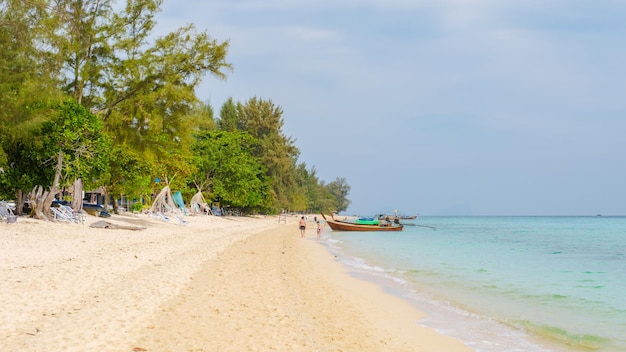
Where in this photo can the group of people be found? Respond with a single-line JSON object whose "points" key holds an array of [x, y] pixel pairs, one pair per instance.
{"points": [[302, 225]]}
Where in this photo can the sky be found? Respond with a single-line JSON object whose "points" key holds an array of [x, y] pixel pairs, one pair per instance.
{"points": [[446, 107]]}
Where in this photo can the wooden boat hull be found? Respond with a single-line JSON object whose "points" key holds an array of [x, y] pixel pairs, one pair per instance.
{"points": [[346, 226]]}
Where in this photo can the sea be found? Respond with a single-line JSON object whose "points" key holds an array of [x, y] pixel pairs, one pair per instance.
{"points": [[540, 284]]}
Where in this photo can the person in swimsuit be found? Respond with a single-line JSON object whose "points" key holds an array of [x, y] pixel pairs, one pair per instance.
{"points": [[319, 230], [302, 224]]}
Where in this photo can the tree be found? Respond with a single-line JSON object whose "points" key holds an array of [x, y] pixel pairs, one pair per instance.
{"points": [[301, 200], [69, 145], [128, 174], [277, 152], [150, 102], [77, 133], [25, 82], [142, 88], [79, 76], [204, 117], [229, 120], [340, 190], [315, 193], [77, 37], [225, 164]]}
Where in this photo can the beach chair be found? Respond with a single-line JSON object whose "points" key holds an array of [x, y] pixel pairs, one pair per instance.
{"points": [[181, 221], [65, 213], [6, 213], [4, 210], [159, 216]]}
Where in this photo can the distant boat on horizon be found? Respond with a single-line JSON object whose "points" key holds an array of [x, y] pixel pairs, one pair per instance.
{"points": [[398, 217]]}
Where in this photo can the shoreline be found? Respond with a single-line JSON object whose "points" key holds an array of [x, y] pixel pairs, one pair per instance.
{"points": [[232, 284], [372, 258]]}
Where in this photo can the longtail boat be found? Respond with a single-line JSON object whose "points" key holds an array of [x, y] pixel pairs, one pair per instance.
{"points": [[348, 226]]}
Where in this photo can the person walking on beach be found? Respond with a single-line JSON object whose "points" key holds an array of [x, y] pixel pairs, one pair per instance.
{"points": [[319, 230], [302, 224]]}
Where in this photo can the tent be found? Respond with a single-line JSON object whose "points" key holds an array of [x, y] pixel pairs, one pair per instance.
{"points": [[164, 203], [178, 199], [199, 205]]}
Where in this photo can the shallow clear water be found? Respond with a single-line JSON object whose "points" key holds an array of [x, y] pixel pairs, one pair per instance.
{"points": [[505, 283]]}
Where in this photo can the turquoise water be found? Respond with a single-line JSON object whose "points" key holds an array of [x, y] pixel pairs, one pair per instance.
{"points": [[504, 283]]}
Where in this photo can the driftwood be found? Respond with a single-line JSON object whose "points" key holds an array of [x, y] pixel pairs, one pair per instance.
{"points": [[20, 201], [47, 203], [102, 224], [36, 199], [40, 200]]}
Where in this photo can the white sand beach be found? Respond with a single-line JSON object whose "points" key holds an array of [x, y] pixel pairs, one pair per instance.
{"points": [[214, 284]]}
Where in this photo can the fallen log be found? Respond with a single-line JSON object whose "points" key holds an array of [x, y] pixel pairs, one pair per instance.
{"points": [[102, 224]]}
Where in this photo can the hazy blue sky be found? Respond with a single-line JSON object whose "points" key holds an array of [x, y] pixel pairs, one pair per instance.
{"points": [[460, 107]]}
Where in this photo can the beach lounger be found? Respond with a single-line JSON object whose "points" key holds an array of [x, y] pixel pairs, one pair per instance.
{"points": [[65, 213], [181, 221], [6, 213]]}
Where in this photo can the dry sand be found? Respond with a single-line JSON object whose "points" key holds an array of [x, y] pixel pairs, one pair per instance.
{"points": [[214, 284]]}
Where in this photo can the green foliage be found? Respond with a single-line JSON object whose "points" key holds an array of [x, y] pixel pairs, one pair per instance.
{"points": [[226, 165], [151, 107], [229, 120], [24, 81], [137, 207], [76, 38], [128, 174], [76, 133], [203, 117], [312, 194], [277, 152], [340, 190], [19, 174], [91, 81], [68, 129]]}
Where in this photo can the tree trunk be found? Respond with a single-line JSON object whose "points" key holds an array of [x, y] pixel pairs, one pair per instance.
{"points": [[54, 190], [115, 205], [19, 202], [36, 199], [105, 196], [45, 201], [77, 195]]}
